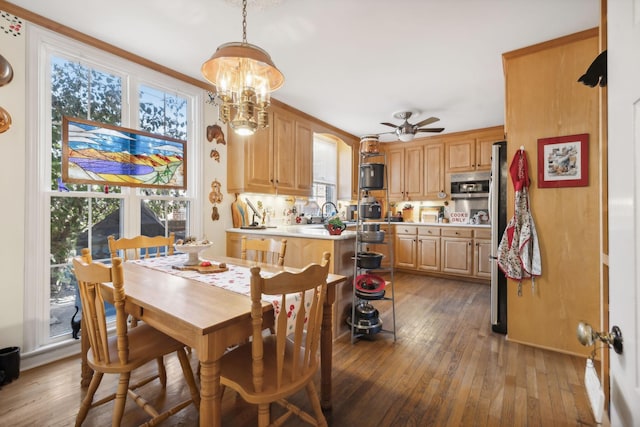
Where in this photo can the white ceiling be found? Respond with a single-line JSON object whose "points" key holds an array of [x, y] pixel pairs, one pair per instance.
{"points": [[350, 63]]}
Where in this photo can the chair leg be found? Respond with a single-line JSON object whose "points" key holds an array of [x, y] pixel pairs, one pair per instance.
{"points": [[162, 372], [264, 415], [188, 376], [121, 399], [88, 399], [315, 404]]}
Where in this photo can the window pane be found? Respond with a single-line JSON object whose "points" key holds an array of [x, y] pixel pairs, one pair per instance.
{"points": [[79, 91], [76, 223], [161, 217], [163, 113]]}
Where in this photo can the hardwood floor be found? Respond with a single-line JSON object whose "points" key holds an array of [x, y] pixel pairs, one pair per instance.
{"points": [[446, 369]]}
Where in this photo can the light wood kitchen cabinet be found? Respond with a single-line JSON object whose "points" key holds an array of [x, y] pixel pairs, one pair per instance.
{"points": [[481, 253], [417, 247], [428, 246], [444, 250], [433, 170], [406, 172], [457, 250], [278, 159], [471, 151], [406, 247]]}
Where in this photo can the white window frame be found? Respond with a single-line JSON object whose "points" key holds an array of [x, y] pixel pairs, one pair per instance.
{"points": [[41, 43]]}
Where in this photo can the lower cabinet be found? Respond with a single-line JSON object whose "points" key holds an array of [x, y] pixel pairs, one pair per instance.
{"points": [[406, 247], [455, 251], [428, 257], [482, 254]]}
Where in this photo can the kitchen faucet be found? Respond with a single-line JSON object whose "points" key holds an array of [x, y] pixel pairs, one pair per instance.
{"points": [[322, 209]]}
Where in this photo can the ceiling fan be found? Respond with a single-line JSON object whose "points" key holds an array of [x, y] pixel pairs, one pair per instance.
{"points": [[407, 131]]}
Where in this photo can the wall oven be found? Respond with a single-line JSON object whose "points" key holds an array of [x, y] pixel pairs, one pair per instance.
{"points": [[470, 185]]}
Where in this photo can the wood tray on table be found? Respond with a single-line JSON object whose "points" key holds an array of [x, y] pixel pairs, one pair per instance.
{"points": [[204, 269]]}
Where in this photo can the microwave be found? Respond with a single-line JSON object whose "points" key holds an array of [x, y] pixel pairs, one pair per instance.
{"points": [[470, 185]]}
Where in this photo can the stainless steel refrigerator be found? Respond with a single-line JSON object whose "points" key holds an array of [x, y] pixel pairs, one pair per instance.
{"points": [[498, 216]]}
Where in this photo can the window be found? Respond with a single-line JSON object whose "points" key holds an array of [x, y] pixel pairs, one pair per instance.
{"points": [[325, 169], [78, 81]]}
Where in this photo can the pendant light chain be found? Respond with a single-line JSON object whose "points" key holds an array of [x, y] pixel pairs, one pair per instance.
{"points": [[244, 21]]}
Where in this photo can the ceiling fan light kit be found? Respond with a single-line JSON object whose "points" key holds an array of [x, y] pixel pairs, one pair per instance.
{"points": [[244, 76], [407, 131]]}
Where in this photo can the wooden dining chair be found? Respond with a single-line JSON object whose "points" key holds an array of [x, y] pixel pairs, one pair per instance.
{"points": [[125, 351], [270, 368], [269, 251], [141, 246]]}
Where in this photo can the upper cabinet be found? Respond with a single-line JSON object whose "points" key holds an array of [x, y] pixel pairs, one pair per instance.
{"points": [[278, 159], [433, 169], [417, 169], [471, 151], [406, 172]]}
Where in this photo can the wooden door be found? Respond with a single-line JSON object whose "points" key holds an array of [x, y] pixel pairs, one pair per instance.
{"points": [[304, 158], [623, 142], [456, 255], [483, 152], [395, 164], [284, 147], [405, 255], [461, 155], [433, 170], [481, 260], [413, 172], [428, 253], [259, 167]]}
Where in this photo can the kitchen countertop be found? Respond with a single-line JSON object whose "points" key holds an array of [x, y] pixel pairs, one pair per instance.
{"points": [[310, 231], [317, 231], [444, 224], [431, 224]]}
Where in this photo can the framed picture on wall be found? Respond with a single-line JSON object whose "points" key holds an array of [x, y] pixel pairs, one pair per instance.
{"points": [[563, 161]]}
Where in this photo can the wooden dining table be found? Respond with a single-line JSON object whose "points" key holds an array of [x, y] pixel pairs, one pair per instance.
{"points": [[209, 319]]}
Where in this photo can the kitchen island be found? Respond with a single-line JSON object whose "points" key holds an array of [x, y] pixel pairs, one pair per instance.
{"points": [[306, 244]]}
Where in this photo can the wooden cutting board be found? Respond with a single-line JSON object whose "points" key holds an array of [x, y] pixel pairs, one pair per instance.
{"points": [[202, 269]]}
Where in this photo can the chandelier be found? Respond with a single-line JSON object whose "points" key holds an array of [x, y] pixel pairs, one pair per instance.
{"points": [[244, 76]]}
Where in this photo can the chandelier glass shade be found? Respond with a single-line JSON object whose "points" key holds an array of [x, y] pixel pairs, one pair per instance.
{"points": [[244, 76]]}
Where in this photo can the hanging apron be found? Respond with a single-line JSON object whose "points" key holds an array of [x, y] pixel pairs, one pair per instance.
{"points": [[518, 252]]}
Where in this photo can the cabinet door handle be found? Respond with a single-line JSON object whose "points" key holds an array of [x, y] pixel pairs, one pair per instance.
{"points": [[469, 243]]}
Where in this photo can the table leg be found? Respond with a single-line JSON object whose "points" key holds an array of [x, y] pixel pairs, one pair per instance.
{"points": [[210, 402], [86, 371], [326, 349]]}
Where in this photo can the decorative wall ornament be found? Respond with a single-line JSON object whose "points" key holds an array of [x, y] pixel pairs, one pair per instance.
{"points": [[215, 197], [99, 153], [215, 155], [563, 161], [10, 24], [215, 132], [597, 72]]}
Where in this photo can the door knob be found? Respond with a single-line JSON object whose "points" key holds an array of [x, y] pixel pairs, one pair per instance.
{"points": [[587, 336]]}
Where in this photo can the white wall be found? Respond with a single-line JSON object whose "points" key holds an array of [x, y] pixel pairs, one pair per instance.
{"points": [[12, 185]]}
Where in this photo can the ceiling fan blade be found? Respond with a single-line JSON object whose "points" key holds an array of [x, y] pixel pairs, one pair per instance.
{"points": [[430, 130], [389, 124], [427, 121]]}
